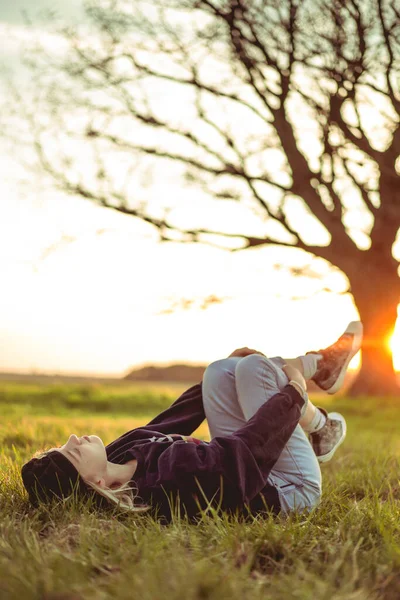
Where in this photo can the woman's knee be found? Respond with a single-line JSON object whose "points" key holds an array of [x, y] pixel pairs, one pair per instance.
{"points": [[218, 371], [253, 364]]}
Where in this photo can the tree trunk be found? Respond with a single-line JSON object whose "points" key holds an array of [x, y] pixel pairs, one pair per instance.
{"points": [[377, 296]]}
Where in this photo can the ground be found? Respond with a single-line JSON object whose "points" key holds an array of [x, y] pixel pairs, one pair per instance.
{"points": [[347, 549]]}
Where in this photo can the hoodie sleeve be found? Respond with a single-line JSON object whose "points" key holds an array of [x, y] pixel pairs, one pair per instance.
{"points": [[242, 460], [184, 416]]}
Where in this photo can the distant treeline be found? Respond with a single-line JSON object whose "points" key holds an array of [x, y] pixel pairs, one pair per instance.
{"points": [[187, 373]]}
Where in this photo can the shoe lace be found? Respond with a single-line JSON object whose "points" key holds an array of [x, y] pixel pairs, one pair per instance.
{"points": [[341, 344]]}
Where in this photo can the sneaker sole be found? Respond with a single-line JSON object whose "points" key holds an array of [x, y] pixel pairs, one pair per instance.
{"points": [[355, 328], [326, 457]]}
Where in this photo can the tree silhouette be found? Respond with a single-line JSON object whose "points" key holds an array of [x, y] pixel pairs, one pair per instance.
{"points": [[290, 108]]}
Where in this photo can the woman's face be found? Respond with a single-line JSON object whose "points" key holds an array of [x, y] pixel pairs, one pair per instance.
{"points": [[88, 455]]}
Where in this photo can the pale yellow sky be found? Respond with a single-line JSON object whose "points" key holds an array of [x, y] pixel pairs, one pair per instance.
{"points": [[97, 304], [98, 301]]}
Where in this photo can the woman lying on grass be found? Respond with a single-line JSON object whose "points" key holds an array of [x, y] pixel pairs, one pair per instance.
{"points": [[267, 442]]}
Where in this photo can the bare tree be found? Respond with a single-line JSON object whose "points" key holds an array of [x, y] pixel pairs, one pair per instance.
{"points": [[289, 107]]}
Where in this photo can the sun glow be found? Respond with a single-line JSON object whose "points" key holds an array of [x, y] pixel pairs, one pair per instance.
{"points": [[394, 345]]}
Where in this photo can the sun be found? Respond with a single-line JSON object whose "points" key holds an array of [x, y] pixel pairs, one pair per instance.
{"points": [[394, 345]]}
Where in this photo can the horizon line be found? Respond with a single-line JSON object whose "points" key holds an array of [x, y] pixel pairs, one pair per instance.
{"points": [[105, 375]]}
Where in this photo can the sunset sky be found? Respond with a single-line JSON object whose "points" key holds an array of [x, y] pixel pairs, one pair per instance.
{"points": [[87, 290]]}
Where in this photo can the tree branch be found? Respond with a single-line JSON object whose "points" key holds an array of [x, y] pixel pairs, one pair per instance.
{"points": [[388, 70]]}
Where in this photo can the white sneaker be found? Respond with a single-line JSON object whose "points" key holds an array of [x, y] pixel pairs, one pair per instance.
{"points": [[335, 359], [327, 440]]}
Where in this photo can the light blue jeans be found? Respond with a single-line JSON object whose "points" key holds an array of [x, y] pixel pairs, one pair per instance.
{"points": [[233, 390]]}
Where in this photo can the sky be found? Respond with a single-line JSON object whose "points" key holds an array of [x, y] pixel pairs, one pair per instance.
{"points": [[87, 290]]}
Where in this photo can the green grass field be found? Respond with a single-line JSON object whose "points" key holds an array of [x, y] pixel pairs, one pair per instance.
{"points": [[347, 549]]}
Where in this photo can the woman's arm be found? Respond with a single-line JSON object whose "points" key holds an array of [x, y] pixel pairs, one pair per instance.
{"points": [[243, 460], [184, 416]]}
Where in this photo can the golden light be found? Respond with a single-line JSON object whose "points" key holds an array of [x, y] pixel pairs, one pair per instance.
{"points": [[394, 345]]}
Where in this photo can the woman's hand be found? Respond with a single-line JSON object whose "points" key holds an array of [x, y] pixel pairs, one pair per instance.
{"points": [[295, 375], [245, 352]]}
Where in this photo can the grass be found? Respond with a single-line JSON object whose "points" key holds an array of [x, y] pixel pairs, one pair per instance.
{"points": [[347, 549], [62, 399]]}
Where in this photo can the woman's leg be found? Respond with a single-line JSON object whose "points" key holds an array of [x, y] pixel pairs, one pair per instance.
{"points": [[313, 418], [233, 390], [225, 414], [296, 473]]}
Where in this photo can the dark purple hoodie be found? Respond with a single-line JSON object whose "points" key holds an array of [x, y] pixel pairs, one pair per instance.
{"points": [[228, 473]]}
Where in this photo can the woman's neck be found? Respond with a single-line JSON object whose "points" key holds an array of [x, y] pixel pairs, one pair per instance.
{"points": [[122, 473]]}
